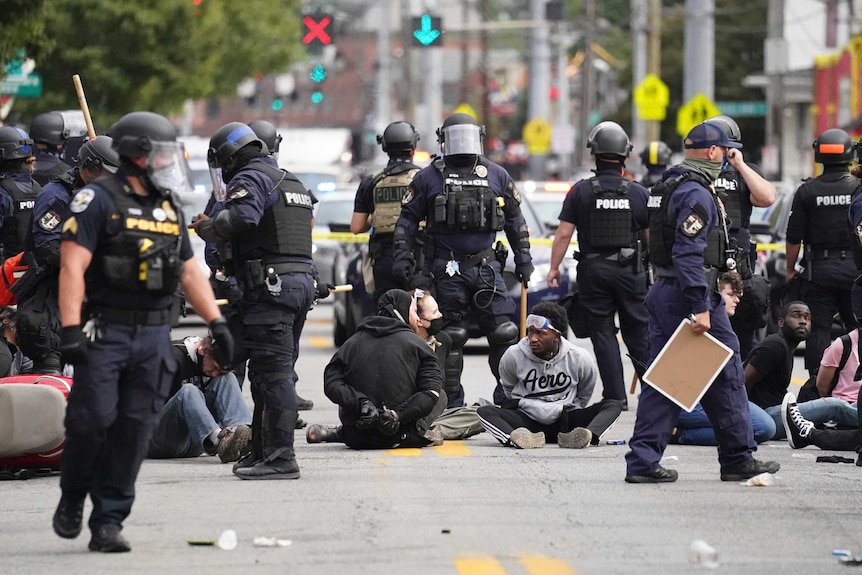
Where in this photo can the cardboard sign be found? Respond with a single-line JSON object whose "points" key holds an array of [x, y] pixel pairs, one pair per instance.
{"points": [[687, 365]]}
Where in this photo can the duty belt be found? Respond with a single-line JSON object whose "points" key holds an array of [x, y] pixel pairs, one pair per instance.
{"points": [[465, 261], [829, 254], [132, 316]]}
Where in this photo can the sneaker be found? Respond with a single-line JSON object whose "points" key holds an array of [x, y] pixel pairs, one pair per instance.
{"points": [[578, 438], [107, 539], [68, 518], [246, 460], [304, 404], [278, 469], [435, 436], [797, 428], [235, 442], [523, 438], [657, 475], [317, 433], [748, 469]]}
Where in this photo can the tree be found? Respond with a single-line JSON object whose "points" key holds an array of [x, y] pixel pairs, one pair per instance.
{"points": [[21, 27], [154, 55]]}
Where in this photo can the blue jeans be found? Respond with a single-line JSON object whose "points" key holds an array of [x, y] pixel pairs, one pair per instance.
{"points": [[695, 429], [819, 411], [191, 415]]}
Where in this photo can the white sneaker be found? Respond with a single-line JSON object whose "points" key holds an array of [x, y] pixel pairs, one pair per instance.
{"points": [[797, 428], [523, 438], [578, 438]]}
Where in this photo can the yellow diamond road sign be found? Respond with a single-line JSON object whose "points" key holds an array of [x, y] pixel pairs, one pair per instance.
{"points": [[465, 108], [697, 110], [652, 97], [537, 136]]}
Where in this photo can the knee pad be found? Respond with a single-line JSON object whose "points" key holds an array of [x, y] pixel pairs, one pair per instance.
{"points": [[505, 334], [458, 335]]}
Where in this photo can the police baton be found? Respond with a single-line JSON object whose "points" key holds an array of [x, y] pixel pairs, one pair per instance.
{"points": [[523, 308], [82, 100]]}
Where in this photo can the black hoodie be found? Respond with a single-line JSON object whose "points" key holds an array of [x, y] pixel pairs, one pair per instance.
{"points": [[387, 363]]}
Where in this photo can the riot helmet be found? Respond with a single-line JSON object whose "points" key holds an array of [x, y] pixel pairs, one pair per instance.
{"points": [[460, 135], [834, 146], [49, 128], [228, 140], [399, 138], [152, 136], [730, 127], [609, 139], [15, 144], [268, 134], [98, 154], [656, 153]]}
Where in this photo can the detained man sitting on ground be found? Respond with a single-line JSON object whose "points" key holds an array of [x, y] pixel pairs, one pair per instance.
{"points": [[206, 412], [802, 433], [695, 428], [386, 381], [547, 382]]}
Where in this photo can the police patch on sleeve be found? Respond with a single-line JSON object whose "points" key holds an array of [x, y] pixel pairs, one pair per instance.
{"points": [[49, 221], [81, 200], [238, 193], [515, 193], [71, 225], [692, 225], [407, 197]]}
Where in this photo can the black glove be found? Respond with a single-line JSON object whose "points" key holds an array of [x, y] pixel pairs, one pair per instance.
{"points": [[388, 423], [510, 403], [524, 271], [402, 271], [368, 415], [321, 291], [73, 345], [223, 346], [422, 281]]}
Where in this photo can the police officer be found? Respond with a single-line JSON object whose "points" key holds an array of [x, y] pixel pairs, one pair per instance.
{"points": [[610, 213], [18, 190], [464, 200], [268, 135], [655, 157], [125, 247], [688, 246], [818, 219], [378, 201], [741, 186], [38, 314], [49, 132], [264, 237]]}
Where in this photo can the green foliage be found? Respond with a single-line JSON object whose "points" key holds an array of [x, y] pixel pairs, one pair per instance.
{"points": [[21, 27], [154, 55]]}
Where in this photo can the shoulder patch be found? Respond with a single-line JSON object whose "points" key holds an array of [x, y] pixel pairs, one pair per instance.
{"points": [[515, 193], [81, 200], [238, 193], [408, 197], [692, 225], [50, 220], [71, 225]]}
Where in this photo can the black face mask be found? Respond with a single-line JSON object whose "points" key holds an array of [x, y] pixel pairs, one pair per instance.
{"points": [[435, 327]]}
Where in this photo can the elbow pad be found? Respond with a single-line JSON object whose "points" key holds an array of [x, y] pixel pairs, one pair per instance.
{"points": [[228, 224], [523, 240]]}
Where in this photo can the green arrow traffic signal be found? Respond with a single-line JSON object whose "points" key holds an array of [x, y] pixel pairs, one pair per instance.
{"points": [[427, 30]]}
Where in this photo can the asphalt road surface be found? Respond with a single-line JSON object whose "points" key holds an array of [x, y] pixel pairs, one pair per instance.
{"points": [[466, 508]]}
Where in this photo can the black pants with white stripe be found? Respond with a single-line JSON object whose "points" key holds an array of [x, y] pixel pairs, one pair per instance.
{"points": [[501, 422]]}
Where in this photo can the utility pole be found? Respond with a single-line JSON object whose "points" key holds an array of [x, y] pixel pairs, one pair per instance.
{"points": [[384, 80], [465, 43], [639, 64], [587, 82], [486, 65], [540, 79], [775, 65], [653, 129], [699, 68]]}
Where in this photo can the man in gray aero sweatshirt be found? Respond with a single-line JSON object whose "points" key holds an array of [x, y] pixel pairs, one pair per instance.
{"points": [[548, 381]]}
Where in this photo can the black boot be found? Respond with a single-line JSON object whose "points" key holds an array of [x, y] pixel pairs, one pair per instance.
{"points": [[68, 518], [317, 433], [107, 539]]}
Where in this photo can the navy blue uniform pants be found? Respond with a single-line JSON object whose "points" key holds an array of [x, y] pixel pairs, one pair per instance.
{"points": [[725, 402], [273, 327], [607, 288], [826, 294], [113, 408]]}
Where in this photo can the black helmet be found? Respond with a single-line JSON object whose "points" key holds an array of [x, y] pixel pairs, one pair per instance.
{"points": [[49, 128], [98, 154], [834, 146], [15, 144], [730, 127], [399, 138], [461, 134], [656, 153], [609, 139], [228, 140], [133, 134], [268, 134]]}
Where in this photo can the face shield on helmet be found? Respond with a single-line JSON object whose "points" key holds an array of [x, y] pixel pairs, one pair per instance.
{"points": [[219, 187], [462, 139], [168, 169]]}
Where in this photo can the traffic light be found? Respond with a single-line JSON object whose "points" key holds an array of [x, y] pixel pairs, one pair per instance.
{"points": [[318, 75], [277, 104], [317, 30], [426, 30]]}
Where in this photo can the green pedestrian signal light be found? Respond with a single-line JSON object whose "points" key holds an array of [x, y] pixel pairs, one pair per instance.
{"points": [[318, 74], [426, 30], [277, 104], [316, 97]]}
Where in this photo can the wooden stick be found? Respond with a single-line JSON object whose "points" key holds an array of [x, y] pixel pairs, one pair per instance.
{"points": [[523, 330], [82, 100], [341, 288]]}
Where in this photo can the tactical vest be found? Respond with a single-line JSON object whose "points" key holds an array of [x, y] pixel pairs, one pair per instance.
{"points": [[13, 235], [662, 226], [827, 220], [390, 187], [144, 257], [467, 204], [609, 217], [729, 188], [284, 227]]}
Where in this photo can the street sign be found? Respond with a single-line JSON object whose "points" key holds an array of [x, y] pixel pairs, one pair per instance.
{"points": [[426, 30], [697, 110], [537, 136], [742, 109], [465, 108], [652, 97], [29, 86]]}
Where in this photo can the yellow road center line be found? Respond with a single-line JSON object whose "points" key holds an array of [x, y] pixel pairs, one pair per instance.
{"points": [[478, 565], [539, 565], [453, 449]]}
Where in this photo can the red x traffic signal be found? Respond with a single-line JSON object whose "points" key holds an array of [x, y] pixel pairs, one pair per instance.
{"points": [[316, 30]]}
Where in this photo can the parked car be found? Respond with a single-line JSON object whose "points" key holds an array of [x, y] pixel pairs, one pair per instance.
{"points": [[350, 307], [332, 214]]}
